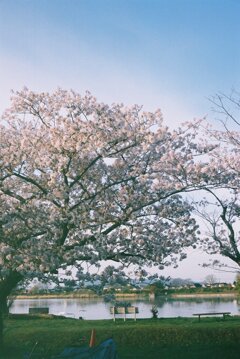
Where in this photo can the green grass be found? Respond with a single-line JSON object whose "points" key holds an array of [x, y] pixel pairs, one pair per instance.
{"points": [[194, 351], [144, 339]]}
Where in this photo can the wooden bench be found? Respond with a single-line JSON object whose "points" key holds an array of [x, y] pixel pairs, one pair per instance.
{"points": [[208, 314], [125, 311], [38, 310]]}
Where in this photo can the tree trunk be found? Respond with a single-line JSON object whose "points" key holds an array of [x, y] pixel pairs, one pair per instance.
{"points": [[6, 286]]}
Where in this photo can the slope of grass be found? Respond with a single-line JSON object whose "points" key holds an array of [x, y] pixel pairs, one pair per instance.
{"points": [[145, 338]]}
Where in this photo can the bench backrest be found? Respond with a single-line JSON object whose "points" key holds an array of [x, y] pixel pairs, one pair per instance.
{"points": [[123, 310], [38, 310]]}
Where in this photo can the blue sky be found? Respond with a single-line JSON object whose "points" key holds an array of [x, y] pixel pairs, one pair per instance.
{"points": [[168, 54]]}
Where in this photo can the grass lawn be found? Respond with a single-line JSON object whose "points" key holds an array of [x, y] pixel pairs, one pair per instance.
{"points": [[144, 339]]}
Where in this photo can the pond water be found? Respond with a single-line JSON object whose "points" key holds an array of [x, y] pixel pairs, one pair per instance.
{"points": [[98, 309]]}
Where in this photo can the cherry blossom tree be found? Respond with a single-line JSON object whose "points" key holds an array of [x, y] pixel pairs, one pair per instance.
{"points": [[83, 182], [220, 209]]}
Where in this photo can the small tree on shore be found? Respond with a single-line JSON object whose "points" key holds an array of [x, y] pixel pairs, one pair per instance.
{"points": [[210, 279]]}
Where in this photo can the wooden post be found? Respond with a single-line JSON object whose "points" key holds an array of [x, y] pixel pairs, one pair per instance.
{"points": [[135, 314], [92, 339], [114, 314], [124, 312]]}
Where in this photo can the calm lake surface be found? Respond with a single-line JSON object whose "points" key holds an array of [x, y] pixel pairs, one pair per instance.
{"points": [[97, 309]]}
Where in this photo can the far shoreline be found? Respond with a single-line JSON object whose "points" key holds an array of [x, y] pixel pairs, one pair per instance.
{"points": [[205, 295], [128, 296]]}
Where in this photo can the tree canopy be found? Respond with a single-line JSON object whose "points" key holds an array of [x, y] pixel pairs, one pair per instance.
{"points": [[83, 181]]}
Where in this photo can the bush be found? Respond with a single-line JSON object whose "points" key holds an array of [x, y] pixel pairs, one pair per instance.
{"points": [[154, 312]]}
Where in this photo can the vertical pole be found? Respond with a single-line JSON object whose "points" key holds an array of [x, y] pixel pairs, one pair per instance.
{"points": [[135, 314], [124, 311], [93, 338], [114, 314]]}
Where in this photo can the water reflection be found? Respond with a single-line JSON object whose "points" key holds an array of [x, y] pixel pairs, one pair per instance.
{"points": [[97, 309]]}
